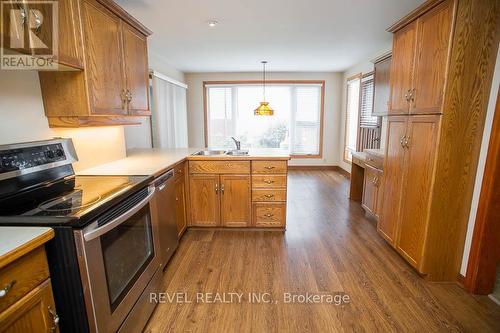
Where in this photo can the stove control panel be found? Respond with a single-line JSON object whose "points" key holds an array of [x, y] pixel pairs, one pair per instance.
{"points": [[29, 157]]}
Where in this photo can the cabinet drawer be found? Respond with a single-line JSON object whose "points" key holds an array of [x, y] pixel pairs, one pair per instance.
{"points": [[374, 161], [269, 195], [269, 166], [219, 167], [23, 275], [269, 181], [269, 214]]}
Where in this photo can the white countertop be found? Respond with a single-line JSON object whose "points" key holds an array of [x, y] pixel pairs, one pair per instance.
{"points": [[12, 238], [149, 162]]}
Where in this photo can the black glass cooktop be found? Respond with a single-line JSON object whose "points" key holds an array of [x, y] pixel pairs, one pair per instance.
{"points": [[73, 200]]}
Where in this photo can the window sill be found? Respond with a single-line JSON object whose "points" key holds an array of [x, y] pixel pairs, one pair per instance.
{"points": [[306, 156]]}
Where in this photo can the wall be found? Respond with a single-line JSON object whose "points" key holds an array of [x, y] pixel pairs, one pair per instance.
{"points": [[331, 113], [481, 164], [23, 119]]}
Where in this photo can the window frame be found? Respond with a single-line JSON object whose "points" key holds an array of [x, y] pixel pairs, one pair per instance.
{"points": [[357, 76], [284, 82]]}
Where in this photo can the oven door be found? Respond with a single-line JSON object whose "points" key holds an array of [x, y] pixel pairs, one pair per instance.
{"points": [[118, 255]]}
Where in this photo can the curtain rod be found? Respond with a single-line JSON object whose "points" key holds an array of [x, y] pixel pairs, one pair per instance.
{"points": [[168, 79]]}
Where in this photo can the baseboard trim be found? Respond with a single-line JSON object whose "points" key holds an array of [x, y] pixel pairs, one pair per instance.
{"points": [[461, 280]]}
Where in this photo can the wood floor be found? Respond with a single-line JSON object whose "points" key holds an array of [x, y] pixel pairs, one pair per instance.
{"points": [[329, 248]]}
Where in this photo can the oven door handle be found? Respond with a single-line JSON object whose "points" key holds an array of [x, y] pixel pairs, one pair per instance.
{"points": [[99, 231]]}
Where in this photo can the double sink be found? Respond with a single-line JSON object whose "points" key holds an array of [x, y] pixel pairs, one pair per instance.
{"points": [[235, 152]]}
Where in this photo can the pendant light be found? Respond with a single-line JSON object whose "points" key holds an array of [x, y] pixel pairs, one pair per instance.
{"points": [[264, 109]]}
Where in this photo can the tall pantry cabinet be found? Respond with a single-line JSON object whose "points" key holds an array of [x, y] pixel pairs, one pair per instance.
{"points": [[436, 114]]}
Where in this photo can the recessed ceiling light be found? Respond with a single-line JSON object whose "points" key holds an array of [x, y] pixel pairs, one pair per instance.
{"points": [[212, 23]]}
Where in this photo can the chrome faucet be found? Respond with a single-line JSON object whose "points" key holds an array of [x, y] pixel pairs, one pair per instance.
{"points": [[237, 143]]}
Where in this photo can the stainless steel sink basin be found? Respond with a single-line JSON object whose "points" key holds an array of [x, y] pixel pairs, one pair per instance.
{"points": [[209, 152], [237, 152]]}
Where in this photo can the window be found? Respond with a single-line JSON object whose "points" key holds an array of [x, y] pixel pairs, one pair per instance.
{"points": [[366, 109], [352, 115], [295, 126]]}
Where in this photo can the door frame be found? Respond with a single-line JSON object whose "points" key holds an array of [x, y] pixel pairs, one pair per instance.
{"points": [[485, 253]]}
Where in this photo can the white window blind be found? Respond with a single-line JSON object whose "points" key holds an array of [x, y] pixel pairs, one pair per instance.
{"points": [[366, 108], [352, 114], [295, 125]]}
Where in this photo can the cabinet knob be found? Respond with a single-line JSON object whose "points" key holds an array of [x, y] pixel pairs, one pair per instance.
{"points": [[269, 167], [269, 196], [55, 318], [269, 215], [5, 290], [268, 181]]}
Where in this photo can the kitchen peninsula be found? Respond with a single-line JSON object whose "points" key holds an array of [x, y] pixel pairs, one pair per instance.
{"points": [[216, 189]]}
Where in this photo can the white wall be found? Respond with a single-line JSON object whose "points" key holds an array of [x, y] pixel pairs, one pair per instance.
{"points": [[23, 119], [481, 164], [331, 113]]}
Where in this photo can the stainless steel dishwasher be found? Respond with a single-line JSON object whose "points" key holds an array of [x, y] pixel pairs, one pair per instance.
{"points": [[165, 207]]}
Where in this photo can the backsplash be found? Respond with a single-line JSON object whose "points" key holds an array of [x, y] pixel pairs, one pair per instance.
{"points": [[23, 119]]}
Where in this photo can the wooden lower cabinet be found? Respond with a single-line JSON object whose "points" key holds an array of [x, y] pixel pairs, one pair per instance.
{"points": [[204, 200], [419, 168], [220, 200], [393, 177], [371, 187], [180, 205], [34, 313], [408, 172], [235, 200], [266, 214]]}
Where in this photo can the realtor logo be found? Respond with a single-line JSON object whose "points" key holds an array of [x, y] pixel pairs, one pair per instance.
{"points": [[29, 31]]}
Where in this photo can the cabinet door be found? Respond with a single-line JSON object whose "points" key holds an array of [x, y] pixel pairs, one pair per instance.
{"points": [[104, 67], [434, 33], [204, 199], [136, 70], [370, 189], [235, 200], [419, 166], [403, 54], [35, 312], [70, 34], [381, 87], [180, 205], [393, 177]]}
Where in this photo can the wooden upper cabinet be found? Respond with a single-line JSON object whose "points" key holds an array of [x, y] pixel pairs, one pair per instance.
{"points": [[104, 60], [432, 53], [136, 70], [70, 34], [419, 167], [393, 177], [204, 199], [113, 83], [381, 89], [235, 200], [401, 73]]}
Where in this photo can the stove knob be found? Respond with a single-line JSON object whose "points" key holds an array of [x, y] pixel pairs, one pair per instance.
{"points": [[49, 154]]}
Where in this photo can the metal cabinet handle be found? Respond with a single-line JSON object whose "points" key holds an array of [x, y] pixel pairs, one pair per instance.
{"points": [[407, 142], [222, 188], [129, 96], [412, 94], [402, 141], [269, 196], [55, 318], [269, 215], [123, 96], [269, 167], [407, 95], [268, 181], [8, 287], [216, 188]]}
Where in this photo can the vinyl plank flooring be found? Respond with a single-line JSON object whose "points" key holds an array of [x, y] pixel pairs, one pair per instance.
{"points": [[330, 247]]}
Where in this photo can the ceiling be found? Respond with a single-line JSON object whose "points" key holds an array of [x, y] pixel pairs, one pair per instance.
{"points": [[292, 35]]}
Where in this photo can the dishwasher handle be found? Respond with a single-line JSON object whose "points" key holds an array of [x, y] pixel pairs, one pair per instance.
{"points": [[162, 181]]}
